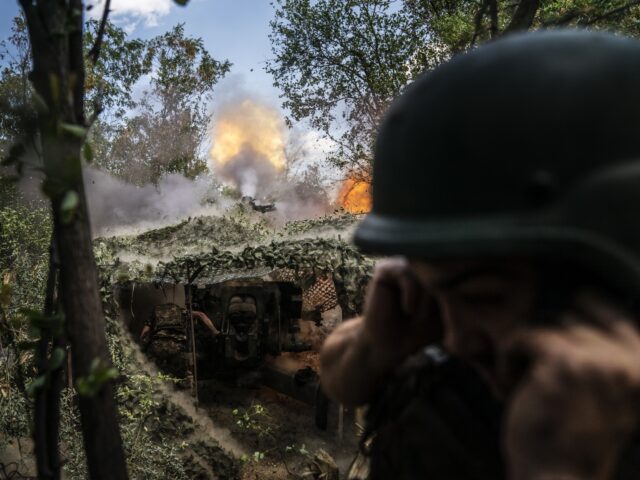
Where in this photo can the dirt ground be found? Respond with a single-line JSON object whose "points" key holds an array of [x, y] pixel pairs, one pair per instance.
{"points": [[277, 434]]}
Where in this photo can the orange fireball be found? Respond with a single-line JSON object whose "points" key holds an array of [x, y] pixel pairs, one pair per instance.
{"points": [[355, 196]]}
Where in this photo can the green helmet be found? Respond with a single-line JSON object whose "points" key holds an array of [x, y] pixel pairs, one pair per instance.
{"points": [[526, 146]]}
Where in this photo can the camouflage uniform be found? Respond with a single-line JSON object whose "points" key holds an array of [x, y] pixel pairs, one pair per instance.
{"points": [[168, 340]]}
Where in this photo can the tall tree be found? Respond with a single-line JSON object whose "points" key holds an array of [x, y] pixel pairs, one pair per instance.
{"points": [[166, 131], [108, 89], [58, 77], [16, 112], [340, 63], [458, 26]]}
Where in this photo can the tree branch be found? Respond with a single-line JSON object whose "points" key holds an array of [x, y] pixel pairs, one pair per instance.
{"points": [[523, 16], [94, 53], [571, 15], [76, 59], [493, 13], [478, 21], [611, 13], [47, 458]]}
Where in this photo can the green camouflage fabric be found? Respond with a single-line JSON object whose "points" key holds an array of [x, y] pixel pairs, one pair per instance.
{"points": [[217, 248], [168, 317], [168, 343]]}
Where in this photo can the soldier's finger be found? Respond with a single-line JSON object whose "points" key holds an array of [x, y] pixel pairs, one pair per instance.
{"points": [[604, 314], [411, 290], [526, 348], [390, 269], [384, 298], [393, 285]]}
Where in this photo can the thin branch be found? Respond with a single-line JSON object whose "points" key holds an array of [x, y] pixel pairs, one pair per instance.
{"points": [[610, 13], [98, 108], [94, 53], [564, 19], [571, 15], [76, 60], [43, 449], [478, 21], [493, 13]]}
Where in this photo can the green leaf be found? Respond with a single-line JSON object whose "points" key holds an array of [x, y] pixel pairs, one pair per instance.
{"points": [[77, 131], [69, 206], [181, 2], [36, 384], [57, 358], [54, 85], [39, 103], [99, 374], [87, 151], [38, 321]]}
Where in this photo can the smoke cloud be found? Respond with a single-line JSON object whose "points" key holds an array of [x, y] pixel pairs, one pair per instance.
{"points": [[250, 149], [251, 173], [116, 205]]}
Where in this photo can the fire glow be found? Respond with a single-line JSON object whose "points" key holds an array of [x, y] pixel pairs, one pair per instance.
{"points": [[248, 126], [355, 196]]}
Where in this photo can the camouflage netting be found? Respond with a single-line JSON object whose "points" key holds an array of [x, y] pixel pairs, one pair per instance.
{"points": [[209, 250], [309, 250], [171, 432], [236, 229]]}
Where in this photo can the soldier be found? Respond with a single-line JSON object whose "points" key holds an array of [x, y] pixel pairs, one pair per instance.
{"points": [[508, 182], [165, 336]]}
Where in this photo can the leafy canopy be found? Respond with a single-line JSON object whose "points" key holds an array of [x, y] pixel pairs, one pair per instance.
{"points": [[340, 63]]}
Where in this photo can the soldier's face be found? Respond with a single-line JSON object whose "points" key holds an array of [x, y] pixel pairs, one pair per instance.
{"points": [[480, 305]]}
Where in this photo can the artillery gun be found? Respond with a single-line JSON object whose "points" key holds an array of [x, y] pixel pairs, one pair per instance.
{"points": [[258, 321], [255, 318]]}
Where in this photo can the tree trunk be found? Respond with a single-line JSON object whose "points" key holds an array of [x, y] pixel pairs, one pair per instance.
{"points": [[47, 399], [86, 332], [523, 16], [55, 32]]}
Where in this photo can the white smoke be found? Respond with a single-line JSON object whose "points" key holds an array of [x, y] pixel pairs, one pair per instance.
{"points": [[116, 206], [250, 173]]}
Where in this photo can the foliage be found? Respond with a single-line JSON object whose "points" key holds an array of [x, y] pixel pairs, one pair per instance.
{"points": [[165, 132], [193, 235], [257, 420], [15, 92], [233, 246], [153, 430], [98, 375], [25, 233], [457, 26], [122, 62], [340, 63], [148, 456], [139, 140]]}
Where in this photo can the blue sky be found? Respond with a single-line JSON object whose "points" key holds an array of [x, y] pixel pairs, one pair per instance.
{"points": [[236, 30], [233, 29]]}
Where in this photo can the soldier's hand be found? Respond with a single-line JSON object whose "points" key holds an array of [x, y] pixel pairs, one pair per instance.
{"points": [[396, 314], [576, 408], [144, 335]]}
